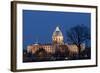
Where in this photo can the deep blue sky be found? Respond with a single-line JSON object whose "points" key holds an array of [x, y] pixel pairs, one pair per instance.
{"points": [[39, 25]]}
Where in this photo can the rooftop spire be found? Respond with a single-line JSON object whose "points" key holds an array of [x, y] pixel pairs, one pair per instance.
{"points": [[36, 43], [57, 32], [57, 29]]}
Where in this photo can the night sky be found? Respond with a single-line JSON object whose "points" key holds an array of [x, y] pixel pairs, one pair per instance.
{"points": [[40, 25]]}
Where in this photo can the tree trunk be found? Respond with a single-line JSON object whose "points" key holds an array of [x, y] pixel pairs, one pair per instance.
{"points": [[79, 51]]}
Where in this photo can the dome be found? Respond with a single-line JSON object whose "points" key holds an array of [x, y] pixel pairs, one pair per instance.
{"points": [[57, 32], [57, 36]]}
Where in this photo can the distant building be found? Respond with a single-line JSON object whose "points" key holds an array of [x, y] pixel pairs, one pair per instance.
{"points": [[57, 44]]}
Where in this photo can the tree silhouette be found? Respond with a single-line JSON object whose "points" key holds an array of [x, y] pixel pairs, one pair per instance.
{"points": [[78, 35]]}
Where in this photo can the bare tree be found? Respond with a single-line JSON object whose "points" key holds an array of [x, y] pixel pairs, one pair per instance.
{"points": [[78, 35]]}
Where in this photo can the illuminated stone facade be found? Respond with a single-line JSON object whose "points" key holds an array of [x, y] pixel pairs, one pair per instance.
{"points": [[57, 44]]}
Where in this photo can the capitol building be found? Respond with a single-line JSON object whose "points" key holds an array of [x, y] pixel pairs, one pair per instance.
{"points": [[56, 45]]}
